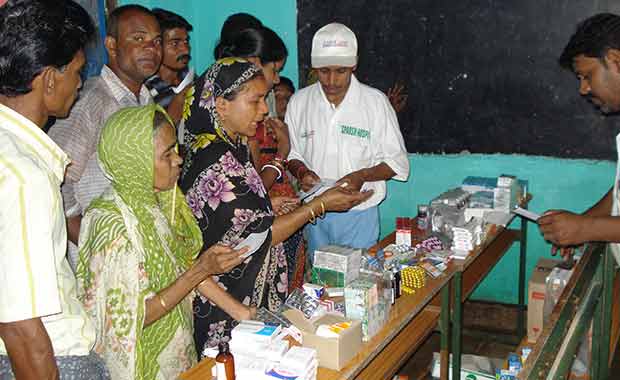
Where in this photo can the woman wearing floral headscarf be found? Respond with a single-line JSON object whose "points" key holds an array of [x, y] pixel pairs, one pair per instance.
{"points": [[228, 198], [138, 243]]}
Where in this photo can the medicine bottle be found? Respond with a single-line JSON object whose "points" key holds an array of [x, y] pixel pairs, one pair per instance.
{"points": [[396, 282], [423, 217], [225, 363]]}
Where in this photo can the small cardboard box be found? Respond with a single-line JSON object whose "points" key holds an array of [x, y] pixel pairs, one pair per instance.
{"points": [[335, 266], [472, 367], [333, 353], [364, 301], [536, 297]]}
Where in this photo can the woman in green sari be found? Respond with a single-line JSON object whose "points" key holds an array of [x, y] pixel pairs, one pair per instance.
{"points": [[138, 247]]}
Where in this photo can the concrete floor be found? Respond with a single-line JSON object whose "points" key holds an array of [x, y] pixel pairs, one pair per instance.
{"points": [[478, 316], [418, 366]]}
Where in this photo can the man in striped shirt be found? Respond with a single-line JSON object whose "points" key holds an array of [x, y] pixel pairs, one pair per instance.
{"points": [[133, 43], [45, 332]]}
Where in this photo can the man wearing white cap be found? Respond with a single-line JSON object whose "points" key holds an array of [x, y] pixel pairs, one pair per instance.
{"points": [[343, 130]]}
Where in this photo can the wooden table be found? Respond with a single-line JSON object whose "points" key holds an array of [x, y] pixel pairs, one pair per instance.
{"points": [[411, 320], [414, 317], [471, 271], [589, 300], [468, 274]]}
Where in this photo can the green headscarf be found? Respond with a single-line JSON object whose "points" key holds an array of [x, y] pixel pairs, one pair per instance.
{"points": [[126, 154]]}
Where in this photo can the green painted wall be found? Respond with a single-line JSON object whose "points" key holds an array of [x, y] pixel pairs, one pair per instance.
{"points": [[207, 17], [554, 183]]}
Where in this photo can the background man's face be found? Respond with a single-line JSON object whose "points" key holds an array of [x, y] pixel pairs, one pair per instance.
{"points": [[176, 49], [283, 95], [599, 81], [66, 87], [138, 45]]}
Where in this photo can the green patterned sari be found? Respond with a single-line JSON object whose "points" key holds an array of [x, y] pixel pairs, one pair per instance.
{"points": [[133, 243]]}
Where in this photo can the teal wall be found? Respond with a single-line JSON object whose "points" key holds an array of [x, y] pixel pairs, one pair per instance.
{"points": [[554, 183], [207, 17]]}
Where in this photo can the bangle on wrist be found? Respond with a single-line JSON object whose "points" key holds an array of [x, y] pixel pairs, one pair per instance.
{"points": [[281, 161], [322, 210], [278, 164], [312, 215], [274, 168]]}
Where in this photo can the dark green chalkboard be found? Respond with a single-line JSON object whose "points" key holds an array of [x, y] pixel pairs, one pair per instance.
{"points": [[482, 75]]}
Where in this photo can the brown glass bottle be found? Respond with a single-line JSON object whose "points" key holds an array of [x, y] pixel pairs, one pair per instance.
{"points": [[225, 363]]}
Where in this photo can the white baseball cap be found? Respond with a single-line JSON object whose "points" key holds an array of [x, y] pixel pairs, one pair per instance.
{"points": [[334, 45]]}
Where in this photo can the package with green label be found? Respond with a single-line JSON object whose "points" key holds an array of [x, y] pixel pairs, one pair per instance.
{"points": [[336, 266], [364, 301]]}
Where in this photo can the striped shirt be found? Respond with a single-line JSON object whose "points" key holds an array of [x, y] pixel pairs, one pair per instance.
{"points": [[35, 277], [78, 135]]}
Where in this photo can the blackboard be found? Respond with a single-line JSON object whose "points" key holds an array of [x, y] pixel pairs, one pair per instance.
{"points": [[482, 76]]}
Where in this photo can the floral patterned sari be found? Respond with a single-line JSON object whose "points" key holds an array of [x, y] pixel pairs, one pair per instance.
{"points": [[228, 199]]}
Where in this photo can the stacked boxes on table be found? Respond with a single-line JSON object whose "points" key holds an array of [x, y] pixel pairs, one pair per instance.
{"points": [[335, 266], [299, 363], [506, 189], [260, 354], [536, 297], [334, 350], [364, 300], [507, 193]]}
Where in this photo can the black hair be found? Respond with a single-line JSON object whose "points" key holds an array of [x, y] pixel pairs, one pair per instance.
{"points": [[284, 81], [115, 16], [38, 34], [234, 24], [263, 43], [593, 38], [238, 22], [234, 93], [159, 120], [170, 20]]}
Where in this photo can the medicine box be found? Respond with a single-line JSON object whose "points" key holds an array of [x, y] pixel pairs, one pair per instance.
{"points": [[336, 266], [333, 353], [536, 297], [364, 301], [255, 332]]}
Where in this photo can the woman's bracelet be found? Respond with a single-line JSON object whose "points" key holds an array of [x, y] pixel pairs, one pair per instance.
{"points": [[278, 164], [322, 210], [162, 302], [312, 215], [274, 168], [277, 159]]}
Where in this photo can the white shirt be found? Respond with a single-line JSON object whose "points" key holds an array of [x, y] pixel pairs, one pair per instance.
{"points": [[360, 133], [615, 210], [35, 277]]}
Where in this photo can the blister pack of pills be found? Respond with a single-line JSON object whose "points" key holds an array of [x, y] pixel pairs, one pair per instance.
{"points": [[301, 301]]}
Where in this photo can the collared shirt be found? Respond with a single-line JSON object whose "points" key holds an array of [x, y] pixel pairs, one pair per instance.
{"points": [[360, 133], [35, 277], [615, 210], [78, 135]]}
